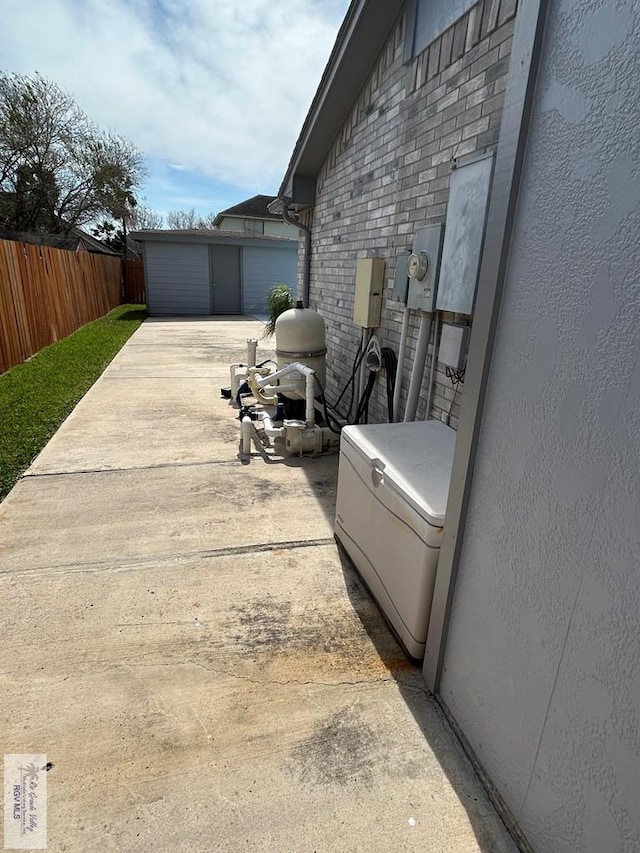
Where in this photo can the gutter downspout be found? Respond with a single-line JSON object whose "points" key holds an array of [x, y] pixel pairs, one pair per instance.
{"points": [[306, 272]]}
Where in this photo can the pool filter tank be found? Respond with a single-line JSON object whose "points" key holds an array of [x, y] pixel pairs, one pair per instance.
{"points": [[300, 338], [293, 390]]}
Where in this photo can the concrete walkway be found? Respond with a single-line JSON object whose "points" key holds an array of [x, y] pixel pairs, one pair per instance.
{"points": [[183, 639]]}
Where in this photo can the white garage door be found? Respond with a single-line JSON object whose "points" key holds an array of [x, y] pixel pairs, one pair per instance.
{"points": [[177, 278]]}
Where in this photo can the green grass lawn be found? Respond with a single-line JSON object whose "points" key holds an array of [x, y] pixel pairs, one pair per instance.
{"points": [[35, 397]]}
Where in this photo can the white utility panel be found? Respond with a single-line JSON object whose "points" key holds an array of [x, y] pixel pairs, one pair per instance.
{"points": [[367, 305], [454, 343]]}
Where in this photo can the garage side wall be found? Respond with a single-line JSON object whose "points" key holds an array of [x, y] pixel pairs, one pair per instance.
{"points": [[388, 174], [262, 268]]}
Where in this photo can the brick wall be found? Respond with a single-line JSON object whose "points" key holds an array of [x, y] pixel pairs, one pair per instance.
{"points": [[388, 173]]}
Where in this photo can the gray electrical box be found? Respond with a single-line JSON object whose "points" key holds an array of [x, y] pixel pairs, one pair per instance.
{"points": [[454, 343], [401, 277], [466, 215], [424, 267]]}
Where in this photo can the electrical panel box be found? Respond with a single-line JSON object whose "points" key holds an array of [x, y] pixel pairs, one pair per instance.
{"points": [[367, 306], [401, 278], [466, 217], [424, 268], [454, 343]]}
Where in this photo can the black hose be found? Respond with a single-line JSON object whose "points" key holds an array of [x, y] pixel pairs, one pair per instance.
{"points": [[328, 417], [363, 405], [350, 383], [360, 353], [390, 364]]}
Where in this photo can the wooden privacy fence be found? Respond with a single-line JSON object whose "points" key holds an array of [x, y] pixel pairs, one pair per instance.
{"points": [[45, 294], [133, 282]]}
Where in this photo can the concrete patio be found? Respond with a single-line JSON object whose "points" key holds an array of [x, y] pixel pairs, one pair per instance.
{"points": [[184, 640]]}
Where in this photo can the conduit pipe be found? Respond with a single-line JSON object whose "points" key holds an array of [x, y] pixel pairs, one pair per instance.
{"points": [[400, 368], [422, 346], [434, 359]]}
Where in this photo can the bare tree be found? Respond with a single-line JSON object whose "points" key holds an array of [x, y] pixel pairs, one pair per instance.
{"points": [[58, 170], [145, 218], [207, 221], [179, 220]]}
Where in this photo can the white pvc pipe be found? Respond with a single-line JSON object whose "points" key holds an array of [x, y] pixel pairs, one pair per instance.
{"points": [[294, 367], [246, 435], [232, 373], [310, 414], [272, 390], [269, 390], [400, 368], [422, 345], [252, 348], [271, 430]]}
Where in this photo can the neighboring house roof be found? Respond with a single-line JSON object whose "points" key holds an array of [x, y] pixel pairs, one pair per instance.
{"points": [[253, 208], [76, 240], [91, 243], [365, 29], [209, 235]]}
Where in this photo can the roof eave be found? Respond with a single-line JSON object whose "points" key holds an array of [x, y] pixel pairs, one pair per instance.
{"points": [[362, 35], [223, 237]]}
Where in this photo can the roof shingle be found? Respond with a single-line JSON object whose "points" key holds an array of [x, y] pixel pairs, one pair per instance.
{"points": [[255, 207]]}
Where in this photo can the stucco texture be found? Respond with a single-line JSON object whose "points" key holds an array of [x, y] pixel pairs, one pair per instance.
{"points": [[542, 668]]}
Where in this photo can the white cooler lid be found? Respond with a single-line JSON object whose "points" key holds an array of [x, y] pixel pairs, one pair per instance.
{"points": [[417, 458]]}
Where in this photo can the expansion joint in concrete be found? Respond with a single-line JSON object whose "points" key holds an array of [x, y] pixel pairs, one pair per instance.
{"points": [[157, 560], [30, 475]]}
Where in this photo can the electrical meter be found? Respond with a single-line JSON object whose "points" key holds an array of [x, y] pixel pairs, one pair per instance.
{"points": [[423, 267], [418, 265]]}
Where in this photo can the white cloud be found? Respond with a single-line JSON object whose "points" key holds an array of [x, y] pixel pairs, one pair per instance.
{"points": [[220, 88]]}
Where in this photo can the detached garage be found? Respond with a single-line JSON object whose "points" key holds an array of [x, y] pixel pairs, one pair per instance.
{"points": [[214, 272]]}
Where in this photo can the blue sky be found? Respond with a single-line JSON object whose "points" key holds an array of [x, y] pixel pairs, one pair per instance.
{"points": [[213, 92]]}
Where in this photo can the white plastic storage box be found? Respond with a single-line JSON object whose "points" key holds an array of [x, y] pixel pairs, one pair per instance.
{"points": [[393, 484]]}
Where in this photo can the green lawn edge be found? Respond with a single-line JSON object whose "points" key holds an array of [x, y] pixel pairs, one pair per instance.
{"points": [[36, 397]]}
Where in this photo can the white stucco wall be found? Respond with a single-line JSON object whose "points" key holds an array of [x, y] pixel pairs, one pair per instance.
{"points": [[542, 668]]}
